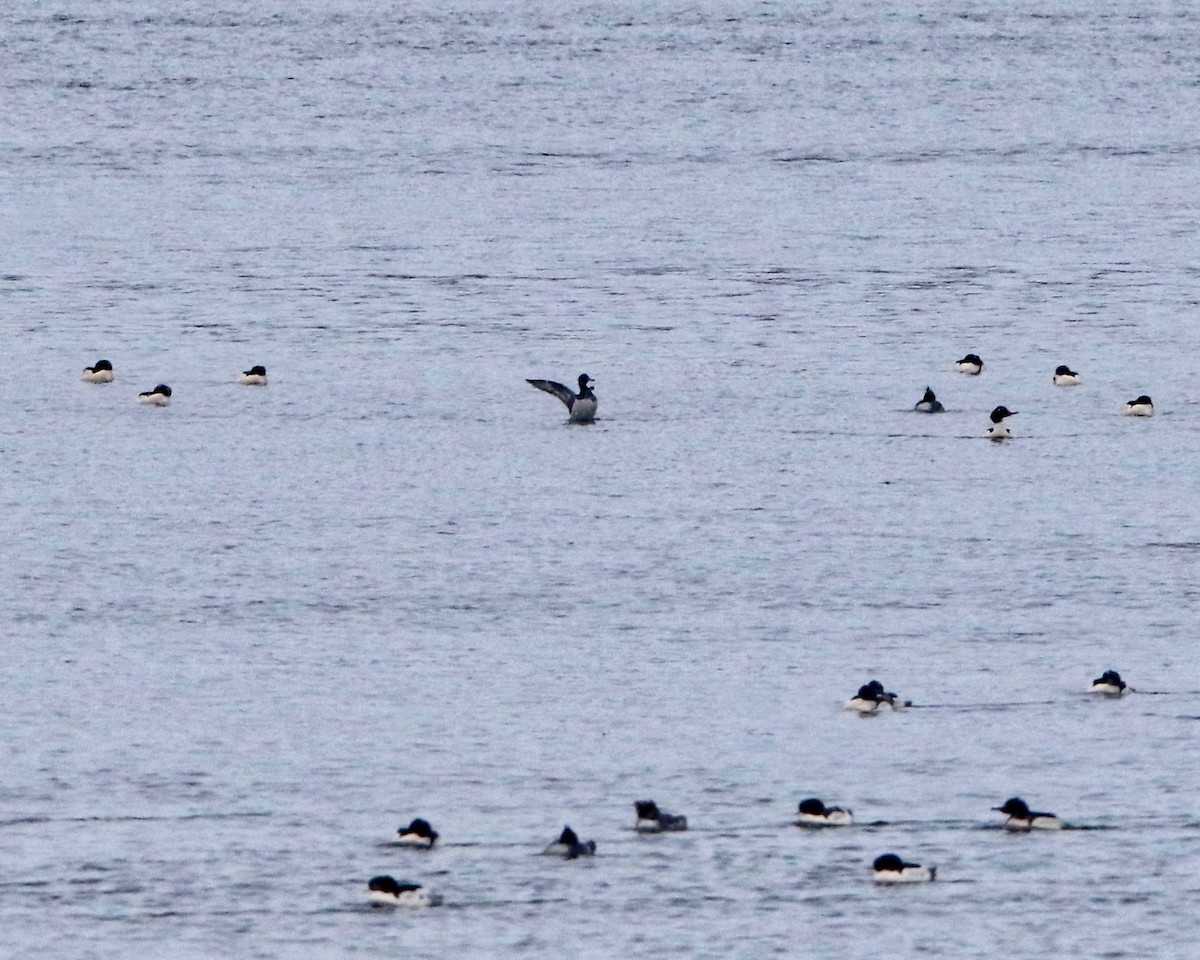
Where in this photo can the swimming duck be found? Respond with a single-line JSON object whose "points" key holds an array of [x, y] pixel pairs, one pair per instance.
{"points": [[1020, 817], [254, 377], [929, 403], [652, 820], [814, 813], [417, 834], [388, 892], [102, 372], [581, 405], [889, 868], [568, 846], [870, 697], [999, 430], [1143, 406], [160, 396], [970, 364], [1064, 376], [1110, 684]]}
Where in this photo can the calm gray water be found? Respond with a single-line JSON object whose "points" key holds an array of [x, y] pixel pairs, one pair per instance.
{"points": [[247, 636]]}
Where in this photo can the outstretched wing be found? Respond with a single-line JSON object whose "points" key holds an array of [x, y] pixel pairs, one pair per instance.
{"points": [[563, 394]]}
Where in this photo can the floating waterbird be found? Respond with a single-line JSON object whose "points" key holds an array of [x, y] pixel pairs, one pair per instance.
{"points": [[1020, 817], [889, 868], [650, 819], [102, 372], [581, 405], [160, 396], [929, 403], [999, 429], [813, 813]]}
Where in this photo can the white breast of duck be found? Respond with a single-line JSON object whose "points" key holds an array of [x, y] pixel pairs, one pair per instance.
{"points": [[890, 868], [389, 892], [583, 404], [1109, 683], [813, 813], [1064, 376], [254, 377], [583, 409]]}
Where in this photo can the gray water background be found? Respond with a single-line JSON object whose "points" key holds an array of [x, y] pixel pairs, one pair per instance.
{"points": [[247, 636]]}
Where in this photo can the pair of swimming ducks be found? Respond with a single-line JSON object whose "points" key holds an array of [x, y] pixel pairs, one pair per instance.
{"points": [[891, 868], [872, 697], [1064, 376], [102, 372]]}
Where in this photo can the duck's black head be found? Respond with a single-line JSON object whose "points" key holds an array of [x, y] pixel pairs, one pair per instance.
{"points": [[1110, 677], [646, 809], [585, 383], [101, 365], [1014, 807], [1140, 400], [422, 828], [812, 806], [889, 861], [163, 389], [929, 396], [1062, 370], [1001, 412], [256, 371], [972, 358], [387, 885]]}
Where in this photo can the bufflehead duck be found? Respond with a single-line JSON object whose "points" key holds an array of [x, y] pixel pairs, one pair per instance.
{"points": [[871, 696], [999, 430], [1064, 376], [652, 820], [1110, 684], [160, 396], [254, 377], [1020, 817], [387, 891], [417, 834], [581, 405], [813, 813], [929, 403], [970, 364], [889, 868], [1143, 406], [102, 372], [568, 846]]}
